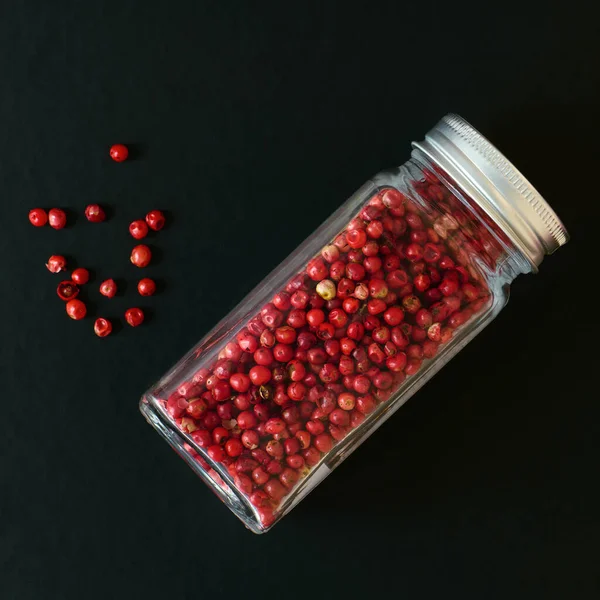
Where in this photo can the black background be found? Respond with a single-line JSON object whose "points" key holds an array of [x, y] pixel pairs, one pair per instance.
{"points": [[251, 123]]}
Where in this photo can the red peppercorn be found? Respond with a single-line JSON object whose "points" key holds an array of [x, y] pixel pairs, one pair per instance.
{"points": [[202, 437], [219, 435], [67, 290], [303, 438], [296, 370], [312, 456], [323, 443], [211, 420], [355, 331], [356, 238], [141, 256], [317, 270], [414, 221], [375, 229], [355, 271], [300, 299], [315, 427], [397, 362], [275, 490], [361, 384], [223, 369], [346, 401], [271, 317], [103, 327], [393, 200], [138, 229], [267, 339], [294, 461], [411, 304], [281, 301], [325, 331], [134, 316], [330, 253], [240, 382], [337, 270], [146, 287], [259, 499], [378, 288], [260, 375], [383, 380], [234, 447], [296, 391], [245, 464], [247, 341], [289, 478], [376, 354], [338, 318], [381, 335], [296, 319], [446, 334], [56, 263], [221, 391], [423, 318], [366, 404], [393, 316], [274, 448], [431, 253], [372, 264], [57, 218], [246, 420], [274, 425], [260, 476], [250, 439], [339, 417], [243, 483], [94, 213], [80, 276], [108, 288], [76, 309], [263, 356], [414, 252], [285, 334], [256, 326], [315, 317], [413, 365], [376, 306], [422, 282], [446, 263], [345, 287], [38, 217], [356, 418], [196, 408], [119, 152], [215, 452], [156, 220], [448, 287]]}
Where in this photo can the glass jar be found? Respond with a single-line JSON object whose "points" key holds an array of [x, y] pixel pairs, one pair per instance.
{"points": [[326, 348]]}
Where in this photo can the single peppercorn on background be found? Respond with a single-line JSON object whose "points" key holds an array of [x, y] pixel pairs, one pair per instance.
{"points": [[247, 126]]}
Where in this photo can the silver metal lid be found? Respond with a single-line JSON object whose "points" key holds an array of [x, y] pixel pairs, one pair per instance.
{"points": [[496, 185]]}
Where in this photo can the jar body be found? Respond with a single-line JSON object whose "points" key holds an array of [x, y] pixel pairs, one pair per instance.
{"points": [[334, 340]]}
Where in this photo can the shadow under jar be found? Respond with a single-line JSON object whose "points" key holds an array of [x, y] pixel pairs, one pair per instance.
{"points": [[326, 348]]}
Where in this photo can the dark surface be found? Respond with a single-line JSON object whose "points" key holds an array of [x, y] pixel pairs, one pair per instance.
{"points": [[250, 127]]}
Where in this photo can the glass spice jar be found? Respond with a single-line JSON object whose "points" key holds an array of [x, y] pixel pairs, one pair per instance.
{"points": [[326, 348]]}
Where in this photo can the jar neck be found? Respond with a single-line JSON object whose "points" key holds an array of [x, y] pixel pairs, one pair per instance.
{"points": [[485, 175], [474, 236]]}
